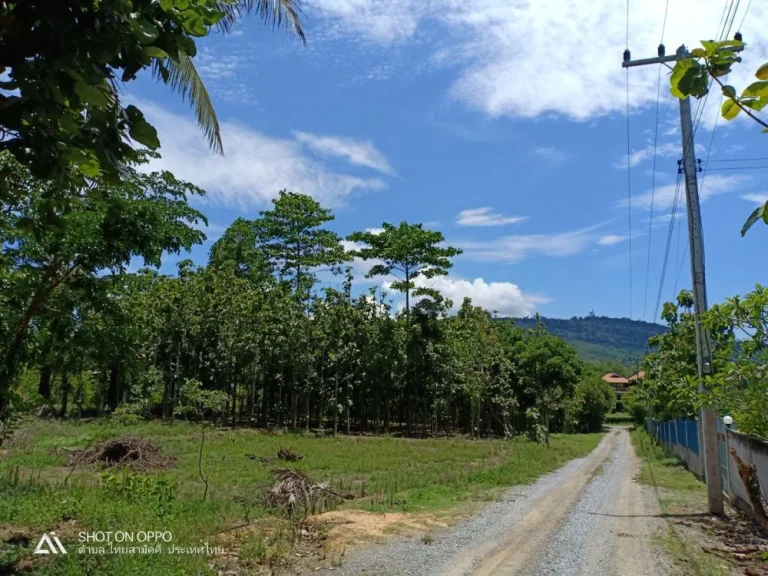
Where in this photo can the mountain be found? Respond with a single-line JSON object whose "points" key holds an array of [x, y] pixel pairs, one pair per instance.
{"points": [[599, 338]]}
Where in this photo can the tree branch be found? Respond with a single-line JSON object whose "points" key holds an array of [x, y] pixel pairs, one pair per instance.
{"points": [[740, 105]]}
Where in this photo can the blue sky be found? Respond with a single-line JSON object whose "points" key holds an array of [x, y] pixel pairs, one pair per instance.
{"points": [[500, 123]]}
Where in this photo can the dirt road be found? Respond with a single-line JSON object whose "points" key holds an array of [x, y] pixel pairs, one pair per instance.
{"points": [[589, 517]]}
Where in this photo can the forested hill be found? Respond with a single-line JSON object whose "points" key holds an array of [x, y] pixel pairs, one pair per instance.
{"points": [[600, 337]]}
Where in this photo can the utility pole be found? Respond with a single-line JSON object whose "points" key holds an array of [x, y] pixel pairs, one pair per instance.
{"points": [[708, 416]]}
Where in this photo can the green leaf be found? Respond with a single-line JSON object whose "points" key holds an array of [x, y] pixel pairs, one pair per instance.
{"points": [[754, 217], [187, 45], [756, 90], [729, 91], [682, 77], [709, 46], [730, 110], [91, 94], [762, 72], [155, 52], [144, 133], [146, 31], [194, 25], [698, 53], [166, 5]]}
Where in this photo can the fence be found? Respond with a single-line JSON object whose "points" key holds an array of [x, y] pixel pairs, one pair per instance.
{"points": [[682, 438]]}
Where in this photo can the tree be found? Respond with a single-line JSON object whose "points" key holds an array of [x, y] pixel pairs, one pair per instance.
{"points": [[407, 252], [49, 242], [694, 76], [292, 237], [60, 113], [593, 399], [549, 371]]}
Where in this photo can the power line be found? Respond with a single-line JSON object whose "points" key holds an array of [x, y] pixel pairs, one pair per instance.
{"points": [[629, 179], [739, 168], [653, 186], [664, 25], [745, 15], [740, 159], [669, 244]]}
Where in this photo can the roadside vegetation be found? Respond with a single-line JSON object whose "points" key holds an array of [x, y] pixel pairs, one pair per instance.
{"points": [[698, 543], [45, 488]]}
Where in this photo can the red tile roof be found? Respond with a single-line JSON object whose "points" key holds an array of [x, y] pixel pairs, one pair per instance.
{"points": [[613, 378]]}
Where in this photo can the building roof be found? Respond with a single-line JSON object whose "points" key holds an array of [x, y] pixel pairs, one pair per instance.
{"points": [[613, 378], [639, 376]]}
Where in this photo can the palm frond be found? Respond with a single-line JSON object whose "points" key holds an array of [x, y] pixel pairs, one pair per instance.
{"points": [[183, 78], [274, 13]]}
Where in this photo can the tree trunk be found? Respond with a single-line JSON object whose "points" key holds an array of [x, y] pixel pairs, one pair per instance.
{"points": [[336, 404], [64, 394], [113, 393], [44, 387]]}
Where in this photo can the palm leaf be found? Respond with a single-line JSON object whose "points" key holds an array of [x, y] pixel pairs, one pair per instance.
{"points": [[182, 76], [275, 13]]}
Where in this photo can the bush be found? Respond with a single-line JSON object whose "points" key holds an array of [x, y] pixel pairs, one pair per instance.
{"points": [[594, 399], [636, 406]]}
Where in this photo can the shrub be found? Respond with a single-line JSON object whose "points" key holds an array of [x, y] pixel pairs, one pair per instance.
{"points": [[594, 399]]}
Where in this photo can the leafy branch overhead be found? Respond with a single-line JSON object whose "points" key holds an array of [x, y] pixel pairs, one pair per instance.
{"points": [[62, 65], [694, 76]]}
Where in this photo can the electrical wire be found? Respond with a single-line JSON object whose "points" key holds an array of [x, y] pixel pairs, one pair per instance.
{"points": [[740, 159], [739, 168], [629, 181], [673, 215], [745, 15]]}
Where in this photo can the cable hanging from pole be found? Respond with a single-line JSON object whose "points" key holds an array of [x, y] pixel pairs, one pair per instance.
{"points": [[655, 145], [629, 174]]}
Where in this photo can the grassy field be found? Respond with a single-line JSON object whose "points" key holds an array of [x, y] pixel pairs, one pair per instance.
{"points": [[618, 418], [691, 531], [39, 492]]}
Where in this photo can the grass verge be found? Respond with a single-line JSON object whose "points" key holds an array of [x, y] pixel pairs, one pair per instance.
{"points": [[39, 493], [697, 543]]}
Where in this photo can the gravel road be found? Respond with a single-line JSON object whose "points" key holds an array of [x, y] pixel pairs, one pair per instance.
{"points": [[588, 518]]}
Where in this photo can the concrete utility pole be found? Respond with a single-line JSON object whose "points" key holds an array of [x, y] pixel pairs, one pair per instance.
{"points": [[703, 349]]}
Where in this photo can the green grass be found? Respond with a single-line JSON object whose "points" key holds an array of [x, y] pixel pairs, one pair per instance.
{"points": [[618, 418], [383, 473], [679, 493]]}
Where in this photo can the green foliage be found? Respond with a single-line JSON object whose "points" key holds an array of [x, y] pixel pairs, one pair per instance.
{"points": [[693, 76], [407, 252], [739, 349], [593, 399], [60, 110], [613, 343], [138, 489], [64, 250]]}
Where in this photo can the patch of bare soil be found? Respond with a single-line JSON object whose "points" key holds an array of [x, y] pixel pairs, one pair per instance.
{"points": [[735, 539], [137, 453], [348, 528]]}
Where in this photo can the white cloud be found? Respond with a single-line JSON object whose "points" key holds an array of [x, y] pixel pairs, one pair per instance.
{"points": [[532, 57], [662, 151], [506, 298], [554, 154], [255, 166], [519, 247], [376, 231], [756, 198], [611, 239], [353, 151], [486, 217], [713, 185]]}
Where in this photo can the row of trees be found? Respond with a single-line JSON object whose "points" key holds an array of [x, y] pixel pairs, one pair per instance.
{"points": [[739, 383], [253, 324]]}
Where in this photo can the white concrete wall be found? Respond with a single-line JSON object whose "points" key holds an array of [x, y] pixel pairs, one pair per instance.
{"points": [[752, 451]]}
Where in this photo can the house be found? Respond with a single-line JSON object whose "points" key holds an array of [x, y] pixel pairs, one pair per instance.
{"points": [[636, 377], [617, 382]]}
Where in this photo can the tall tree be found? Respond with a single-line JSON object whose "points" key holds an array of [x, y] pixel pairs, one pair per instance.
{"points": [[407, 252], [48, 242], [294, 240]]}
